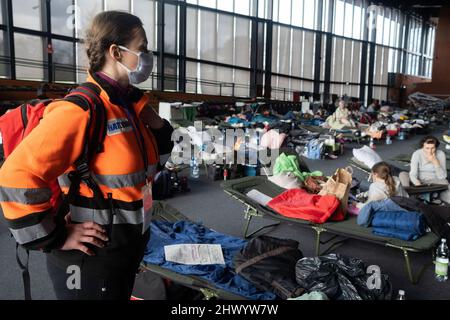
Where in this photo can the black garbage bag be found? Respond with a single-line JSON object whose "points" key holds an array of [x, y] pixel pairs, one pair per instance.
{"points": [[341, 278], [269, 263]]}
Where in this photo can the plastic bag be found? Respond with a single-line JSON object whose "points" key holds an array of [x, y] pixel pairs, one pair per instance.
{"points": [[341, 278]]}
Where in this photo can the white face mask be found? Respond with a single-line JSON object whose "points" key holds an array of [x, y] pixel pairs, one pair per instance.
{"points": [[144, 67]]}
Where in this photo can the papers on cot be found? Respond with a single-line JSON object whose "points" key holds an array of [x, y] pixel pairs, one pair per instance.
{"points": [[194, 254], [259, 197]]}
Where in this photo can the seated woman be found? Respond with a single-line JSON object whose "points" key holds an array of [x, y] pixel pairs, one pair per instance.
{"points": [[340, 119], [428, 166]]}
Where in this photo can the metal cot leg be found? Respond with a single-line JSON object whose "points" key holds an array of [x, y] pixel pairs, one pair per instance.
{"points": [[319, 231], [412, 278]]}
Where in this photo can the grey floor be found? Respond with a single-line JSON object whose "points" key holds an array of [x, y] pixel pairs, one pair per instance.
{"points": [[208, 204]]}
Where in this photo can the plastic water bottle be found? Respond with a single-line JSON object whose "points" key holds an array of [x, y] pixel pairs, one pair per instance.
{"points": [[388, 139], [401, 295], [442, 262], [372, 143], [195, 172]]}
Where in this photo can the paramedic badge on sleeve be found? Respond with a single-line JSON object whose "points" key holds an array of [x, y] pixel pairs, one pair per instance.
{"points": [[147, 198]]}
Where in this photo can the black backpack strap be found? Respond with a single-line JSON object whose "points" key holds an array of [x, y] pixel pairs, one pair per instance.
{"points": [[25, 273], [23, 111], [87, 96]]}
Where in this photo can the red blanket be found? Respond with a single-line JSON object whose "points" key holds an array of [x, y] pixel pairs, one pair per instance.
{"points": [[299, 204]]}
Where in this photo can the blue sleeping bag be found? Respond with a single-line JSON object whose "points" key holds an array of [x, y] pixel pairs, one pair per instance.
{"points": [[236, 120], [222, 276], [402, 225]]}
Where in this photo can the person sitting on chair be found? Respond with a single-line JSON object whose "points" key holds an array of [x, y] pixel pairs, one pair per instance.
{"points": [[428, 166]]}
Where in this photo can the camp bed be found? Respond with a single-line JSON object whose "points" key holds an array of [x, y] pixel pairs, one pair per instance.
{"points": [[355, 163], [316, 129], [349, 134], [346, 230], [164, 212]]}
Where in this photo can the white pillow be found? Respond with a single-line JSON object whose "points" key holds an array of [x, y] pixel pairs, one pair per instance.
{"points": [[367, 156]]}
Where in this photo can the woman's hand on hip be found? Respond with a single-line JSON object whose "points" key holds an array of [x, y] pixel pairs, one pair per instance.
{"points": [[80, 234]]}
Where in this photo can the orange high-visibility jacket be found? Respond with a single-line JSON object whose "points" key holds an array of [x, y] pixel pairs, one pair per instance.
{"points": [[49, 152]]}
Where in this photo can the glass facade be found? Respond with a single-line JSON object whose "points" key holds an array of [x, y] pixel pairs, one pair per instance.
{"points": [[205, 46]]}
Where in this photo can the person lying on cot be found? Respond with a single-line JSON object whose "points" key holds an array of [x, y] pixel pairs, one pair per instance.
{"points": [[428, 166]]}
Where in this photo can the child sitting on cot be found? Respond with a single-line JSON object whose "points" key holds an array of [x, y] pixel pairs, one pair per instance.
{"points": [[383, 186]]}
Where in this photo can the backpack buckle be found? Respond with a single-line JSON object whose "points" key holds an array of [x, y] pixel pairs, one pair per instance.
{"points": [[83, 171]]}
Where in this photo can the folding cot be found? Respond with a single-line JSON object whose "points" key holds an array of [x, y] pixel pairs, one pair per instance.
{"points": [[164, 212], [345, 134], [348, 229]]}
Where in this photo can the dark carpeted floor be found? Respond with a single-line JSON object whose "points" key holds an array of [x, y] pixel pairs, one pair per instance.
{"points": [[208, 204]]}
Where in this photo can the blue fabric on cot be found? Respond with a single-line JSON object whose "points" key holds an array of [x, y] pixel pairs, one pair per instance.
{"points": [[222, 276]]}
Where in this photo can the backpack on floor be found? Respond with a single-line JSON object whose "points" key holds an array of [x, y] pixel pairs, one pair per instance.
{"points": [[21, 121], [314, 149], [162, 185]]}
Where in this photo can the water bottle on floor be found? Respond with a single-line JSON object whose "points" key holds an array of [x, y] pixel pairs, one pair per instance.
{"points": [[388, 140], [442, 261], [195, 172], [372, 143], [401, 295]]}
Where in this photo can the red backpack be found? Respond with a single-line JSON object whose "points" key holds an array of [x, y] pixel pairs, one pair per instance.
{"points": [[17, 124]]}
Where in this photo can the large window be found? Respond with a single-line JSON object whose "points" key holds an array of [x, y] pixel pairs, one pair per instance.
{"points": [[119, 5], [84, 13], [62, 17], [64, 61], [219, 41], [28, 14], [222, 38], [1, 11], [243, 7], [146, 11], [29, 57], [4, 56]]}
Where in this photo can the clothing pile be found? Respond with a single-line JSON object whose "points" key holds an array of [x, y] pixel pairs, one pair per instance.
{"points": [[388, 219], [222, 276], [299, 204], [419, 100], [299, 138], [273, 139], [437, 217], [289, 163], [376, 130]]}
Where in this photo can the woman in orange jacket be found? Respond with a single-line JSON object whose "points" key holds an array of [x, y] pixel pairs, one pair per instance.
{"points": [[104, 250]]}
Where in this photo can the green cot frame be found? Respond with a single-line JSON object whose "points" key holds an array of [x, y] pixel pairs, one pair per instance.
{"points": [[164, 212], [425, 243]]}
